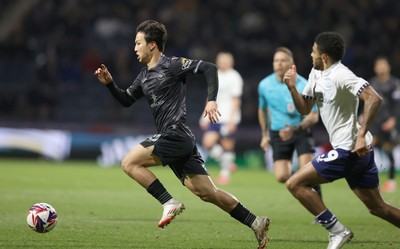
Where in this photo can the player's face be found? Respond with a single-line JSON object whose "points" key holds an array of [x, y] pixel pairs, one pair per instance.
{"points": [[142, 49], [316, 58], [382, 67], [281, 63], [224, 61]]}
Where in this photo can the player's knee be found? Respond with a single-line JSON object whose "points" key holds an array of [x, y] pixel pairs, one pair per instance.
{"points": [[124, 165], [291, 186], [281, 178], [127, 165]]}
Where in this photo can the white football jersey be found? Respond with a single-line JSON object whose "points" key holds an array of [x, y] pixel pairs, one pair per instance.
{"points": [[336, 91], [230, 86]]}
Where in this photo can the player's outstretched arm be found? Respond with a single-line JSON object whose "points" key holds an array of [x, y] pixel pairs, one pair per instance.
{"points": [[105, 78]]}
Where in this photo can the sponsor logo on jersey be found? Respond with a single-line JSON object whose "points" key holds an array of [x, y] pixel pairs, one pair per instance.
{"points": [[185, 63], [319, 97], [290, 107], [156, 102]]}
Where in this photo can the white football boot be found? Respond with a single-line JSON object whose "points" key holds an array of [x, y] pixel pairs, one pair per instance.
{"points": [[336, 241], [171, 209], [261, 232]]}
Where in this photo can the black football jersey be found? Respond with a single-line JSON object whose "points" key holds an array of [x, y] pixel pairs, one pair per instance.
{"points": [[164, 87]]}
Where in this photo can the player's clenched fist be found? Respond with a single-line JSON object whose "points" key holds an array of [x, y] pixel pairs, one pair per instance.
{"points": [[103, 75]]}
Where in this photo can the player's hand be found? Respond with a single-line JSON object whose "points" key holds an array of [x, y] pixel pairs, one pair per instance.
{"points": [[211, 111], [361, 147], [286, 133], [290, 77], [264, 143], [103, 75]]}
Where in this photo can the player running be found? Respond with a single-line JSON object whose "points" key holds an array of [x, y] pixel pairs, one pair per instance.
{"points": [[219, 139], [163, 82], [337, 90]]}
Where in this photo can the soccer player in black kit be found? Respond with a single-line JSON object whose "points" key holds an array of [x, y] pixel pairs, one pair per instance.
{"points": [[163, 83]]}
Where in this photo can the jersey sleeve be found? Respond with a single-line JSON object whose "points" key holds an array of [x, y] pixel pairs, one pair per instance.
{"points": [[130, 95], [262, 101], [351, 82], [183, 66], [135, 90], [308, 92]]}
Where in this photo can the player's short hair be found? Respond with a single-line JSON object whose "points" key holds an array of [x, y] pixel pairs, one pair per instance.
{"points": [[382, 58], [332, 44], [286, 51], [154, 32]]}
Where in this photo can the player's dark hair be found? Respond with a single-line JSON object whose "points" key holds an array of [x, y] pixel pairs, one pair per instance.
{"points": [[154, 32], [332, 44]]}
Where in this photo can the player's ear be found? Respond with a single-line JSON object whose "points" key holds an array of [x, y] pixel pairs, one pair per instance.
{"points": [[152, 45], [324, 57]]}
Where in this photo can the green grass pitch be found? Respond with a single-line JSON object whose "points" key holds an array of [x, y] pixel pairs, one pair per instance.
{"points": [[103, 208]]}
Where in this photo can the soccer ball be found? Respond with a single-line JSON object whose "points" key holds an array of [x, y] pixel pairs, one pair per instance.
{"points": [[41, 217]]}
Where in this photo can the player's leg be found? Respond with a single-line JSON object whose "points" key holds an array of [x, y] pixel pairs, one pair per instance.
{"points": [[282, 153], [365, 184], [303, 160], [304, 144], [195, 177], [135, 165], [227, 160], [203, 187], [300, 186], [210, 142], [377, 206], [282, 170]]}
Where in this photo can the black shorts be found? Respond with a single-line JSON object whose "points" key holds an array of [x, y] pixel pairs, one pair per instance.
{"points": [[180, 153], [301, 142]]}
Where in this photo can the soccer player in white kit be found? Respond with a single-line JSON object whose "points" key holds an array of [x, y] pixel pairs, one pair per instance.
{"points": [[219, 138], [336, 90]]}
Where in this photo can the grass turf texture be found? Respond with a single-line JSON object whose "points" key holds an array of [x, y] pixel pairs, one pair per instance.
{"points": [[103, 208]]}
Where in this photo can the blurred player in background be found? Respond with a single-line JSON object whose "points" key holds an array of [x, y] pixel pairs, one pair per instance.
{"points": [[219, 138], [162, 82], [281, 124], [384, 127], [337, 90]]}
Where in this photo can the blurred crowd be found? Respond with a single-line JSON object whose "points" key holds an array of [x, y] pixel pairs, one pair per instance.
{"points": [[51, 48]]}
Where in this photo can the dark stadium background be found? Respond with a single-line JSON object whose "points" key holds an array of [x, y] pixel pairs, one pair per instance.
{"points": [[49, 50]]}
